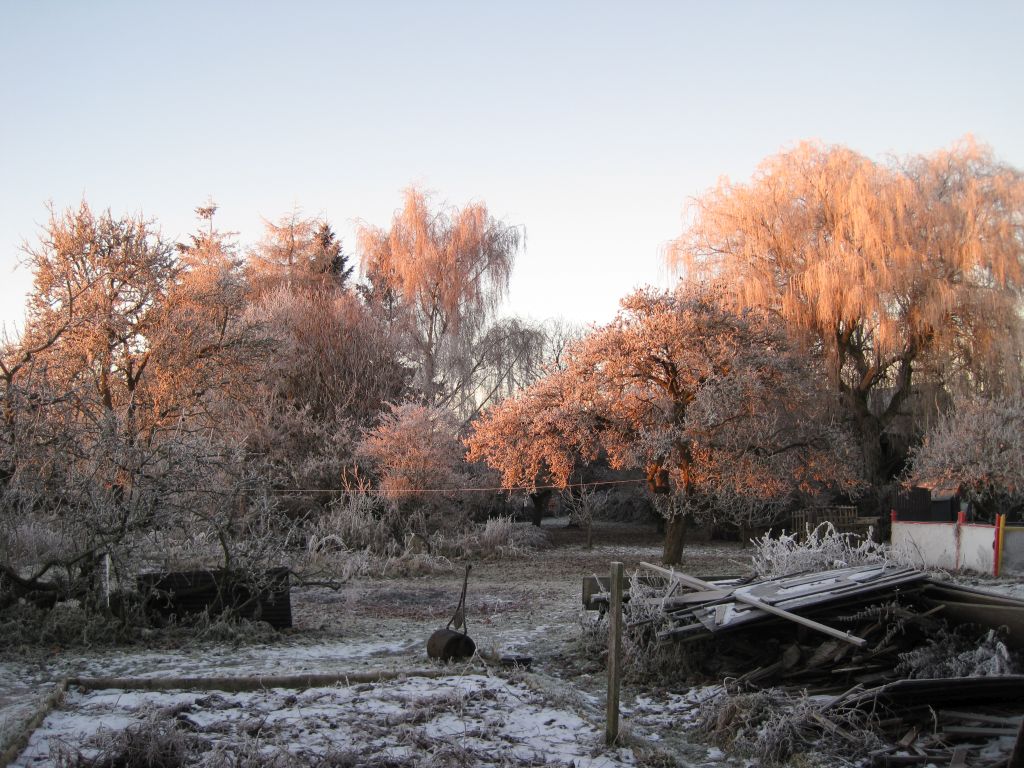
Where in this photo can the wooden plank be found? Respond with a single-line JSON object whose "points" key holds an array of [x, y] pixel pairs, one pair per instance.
{"points": [[595, 591], [802, 620], [806, 602], [1017, 756], [592, 587], [979, 717], [974, 595], [959, 759], [834, 586], [836, 730], [892, 761], [977, 730], [908, 738], [614, 654], [686, 631], [691, 581], [690, 598]]}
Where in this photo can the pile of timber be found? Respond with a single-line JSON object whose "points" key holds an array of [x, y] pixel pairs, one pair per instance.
{"points": [[176, 594], [856, 607], [843, 634], [957, 722]]}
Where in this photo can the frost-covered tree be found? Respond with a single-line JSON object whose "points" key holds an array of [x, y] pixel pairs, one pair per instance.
{"points": [[333, 369], [416, 455], [440, 275], [709, 402], [897, 274], [978, 447], [129, 353], [328, 257], [300, 254]]}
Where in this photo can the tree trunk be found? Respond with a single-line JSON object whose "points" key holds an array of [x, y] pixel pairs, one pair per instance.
{"points": [[675, 539], [540, 503], [869, 434]]}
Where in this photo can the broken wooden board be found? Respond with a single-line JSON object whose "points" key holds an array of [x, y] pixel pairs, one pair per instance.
{"points": [[802, 594], [967, 605], [935, 693]]}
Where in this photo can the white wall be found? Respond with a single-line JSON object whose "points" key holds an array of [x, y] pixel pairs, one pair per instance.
{"points": [[925, 545], [977, 550], [1013, 550], [954, 546]]}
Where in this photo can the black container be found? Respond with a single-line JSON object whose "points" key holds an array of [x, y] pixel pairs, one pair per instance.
{"points": [[447, 644], [182, 593]]}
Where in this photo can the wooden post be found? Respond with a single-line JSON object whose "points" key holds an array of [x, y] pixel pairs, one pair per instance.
{"points": [[614, 653], [753, 602], [1000, 538], [1017, 756]]}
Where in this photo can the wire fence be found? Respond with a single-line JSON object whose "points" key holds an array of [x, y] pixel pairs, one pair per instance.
{"points": [[364, 491]]}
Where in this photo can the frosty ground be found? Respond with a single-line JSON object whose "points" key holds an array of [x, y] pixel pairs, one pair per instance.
{"points": [[389, 704], [476, 713]]}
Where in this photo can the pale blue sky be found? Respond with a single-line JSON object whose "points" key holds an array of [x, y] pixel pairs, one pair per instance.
{"points": [[589, 123]]}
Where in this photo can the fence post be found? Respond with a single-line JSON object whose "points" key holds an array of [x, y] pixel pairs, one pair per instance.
{"points": [[1000, 537], [614, 653], [958, 530]]}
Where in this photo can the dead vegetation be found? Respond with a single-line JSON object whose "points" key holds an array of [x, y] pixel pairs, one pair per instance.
{"points": [[811, 652], [777, 726], [448, 722], [818, 549]]}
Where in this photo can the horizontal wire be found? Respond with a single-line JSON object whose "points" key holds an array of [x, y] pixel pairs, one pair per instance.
{"points": [[382, 491]]}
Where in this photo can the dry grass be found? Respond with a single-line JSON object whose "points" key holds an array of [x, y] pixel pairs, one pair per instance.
{"points": [[960, 653], [156, 742], [822, 549], [785, 729], [382, 726], [366, 539]]}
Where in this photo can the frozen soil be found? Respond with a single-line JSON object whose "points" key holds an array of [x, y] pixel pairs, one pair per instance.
{"points": [[474, 713]]}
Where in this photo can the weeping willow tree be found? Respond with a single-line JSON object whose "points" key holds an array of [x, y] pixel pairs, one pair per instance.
{"points": [[440, 275], [904, 276]]}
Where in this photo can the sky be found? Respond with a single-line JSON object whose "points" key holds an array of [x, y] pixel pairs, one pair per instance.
{"points": [[592, 125]]}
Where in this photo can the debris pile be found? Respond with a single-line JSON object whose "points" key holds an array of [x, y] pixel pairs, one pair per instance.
{"points": [[927, 665], [963, 721]]}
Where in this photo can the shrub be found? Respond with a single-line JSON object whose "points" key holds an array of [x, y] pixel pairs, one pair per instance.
{"points": [[823, 549], [777, 727], [959, 653], [154, 743], [358, 522]]}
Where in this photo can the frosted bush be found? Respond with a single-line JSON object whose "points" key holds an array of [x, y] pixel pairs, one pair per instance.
{"points": [[644, 656], [956, 654], [777, 727], [358, 522], [823, 549], [501, 537]]}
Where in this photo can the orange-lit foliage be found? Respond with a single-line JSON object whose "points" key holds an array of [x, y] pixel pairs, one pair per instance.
{"points": [[415, 453], [132, 330], [300, 254], [543, 435], [440, 275], [333, 368], [116, 395], [977, 448], [894, 272], [677, 382]]}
